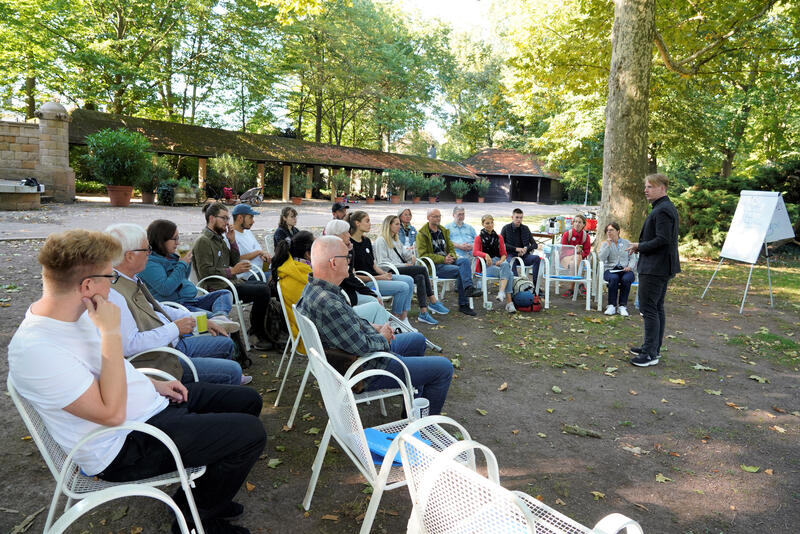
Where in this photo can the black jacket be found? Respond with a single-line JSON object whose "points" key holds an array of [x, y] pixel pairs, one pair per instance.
{"points": [[528, 242], [658, 241]]}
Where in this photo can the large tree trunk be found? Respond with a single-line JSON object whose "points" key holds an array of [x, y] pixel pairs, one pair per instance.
{"points": [[30, 97], [625, 145]]}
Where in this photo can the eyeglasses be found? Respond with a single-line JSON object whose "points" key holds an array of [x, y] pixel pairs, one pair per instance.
{"points": [[114, 277], [148, 250], [346, 257], [225, 218]]}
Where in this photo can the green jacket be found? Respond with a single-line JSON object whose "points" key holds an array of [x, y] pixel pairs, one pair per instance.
{"points": [[425, 244], [211, 255]]}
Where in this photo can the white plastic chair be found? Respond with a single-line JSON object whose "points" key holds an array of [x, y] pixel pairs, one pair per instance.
{"points": [[344, 424], [601, 284], [292, 343], [175, 352], [74, 485], [553, 272], [450, 497], [238, 305], [484, 278], [436, 281], [374, 287], [527, 270]]}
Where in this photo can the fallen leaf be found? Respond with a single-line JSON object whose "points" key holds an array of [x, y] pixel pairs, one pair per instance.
{"points": [[136, 530], [643, 507], [632, 392], [759, 379], [482, 412], [768, 471], [675, 454], [661, 478], [771, 416], [25, 438], [541, 435], [280, 448], [679, 381], [664, 401], [713, 391], [562, 503], [700, 367], [515, 432], [286, 428], [330, 517], [779, 410], [556, 389], [778, 429], [549, 410], [635, 450], [611, 369], [118, 513], [732, 405], [503, 386], [249, 486], [750, 468], [274, 462], [313, 430], [598, 495]]}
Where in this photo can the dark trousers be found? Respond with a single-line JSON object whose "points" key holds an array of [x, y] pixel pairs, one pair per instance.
{"points": [[258, 293], [218, 426], [619, 283], [652, 290], [422, 281]]}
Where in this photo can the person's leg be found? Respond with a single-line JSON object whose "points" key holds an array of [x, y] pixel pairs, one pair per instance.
{"points": [[397, 290], [206, 347], [534, 260], [409, 281], [613, 287], [662, 318], [625, 287], [373, 311], [258, 293], [465, 272], [218, 302], [217, 427], [649, 294], [451, 271], [431, 375], [213, 371], [409, 344], [418, 274], [508, 277]]}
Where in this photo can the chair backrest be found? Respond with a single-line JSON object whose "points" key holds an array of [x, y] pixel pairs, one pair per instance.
{"points": [[337, 395], [288, 313], [563, 259], [54, 456]]}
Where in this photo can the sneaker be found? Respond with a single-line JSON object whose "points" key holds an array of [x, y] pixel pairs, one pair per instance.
{"points": [[582, 290], [405, 322], [246, 379], [233, 510], [610, 310], [567, 294], [226, 324], [635, 350], [438, 308], [214, 526], [473, 292], [643, 360], [426, 318], [500, 297], [466, 310], [623, 311], [510, 308]]}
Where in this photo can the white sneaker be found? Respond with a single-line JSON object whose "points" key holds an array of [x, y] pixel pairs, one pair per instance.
{"points": [[510, 307], [501, 297], [623, 311], [226, 324], [611, 310]]}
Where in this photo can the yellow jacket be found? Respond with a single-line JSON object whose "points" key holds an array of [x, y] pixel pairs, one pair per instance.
{"points": [[293, 277]]}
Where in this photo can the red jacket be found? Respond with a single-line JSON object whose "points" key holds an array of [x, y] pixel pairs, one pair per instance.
{"points": [[477, 250], [580, 239]]}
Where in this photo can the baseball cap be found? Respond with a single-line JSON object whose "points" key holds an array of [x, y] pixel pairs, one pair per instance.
{"points": [[339, 206], [243, 209]]}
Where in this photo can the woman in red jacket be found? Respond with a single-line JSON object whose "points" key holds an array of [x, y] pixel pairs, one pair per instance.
{"points": [[491, 247], [576, 237]]}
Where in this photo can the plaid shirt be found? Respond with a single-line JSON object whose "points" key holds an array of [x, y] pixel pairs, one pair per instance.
{"points": [[337, 323]]}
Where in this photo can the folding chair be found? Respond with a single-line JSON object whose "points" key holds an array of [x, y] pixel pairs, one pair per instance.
{"points": [[238, 305], [76, 486], [344, 424], [554, 272], [451, 497]]}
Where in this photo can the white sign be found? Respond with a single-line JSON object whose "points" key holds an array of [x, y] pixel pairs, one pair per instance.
{"points": [[760, 218]]}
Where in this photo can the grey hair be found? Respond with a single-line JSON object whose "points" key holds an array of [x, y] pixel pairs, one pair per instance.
{"points": [[129, 235], [431, 210], [457, 209], [337, 227]]}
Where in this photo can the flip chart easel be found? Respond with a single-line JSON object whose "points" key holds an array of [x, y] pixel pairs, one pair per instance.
{"points": [[760, 218]]}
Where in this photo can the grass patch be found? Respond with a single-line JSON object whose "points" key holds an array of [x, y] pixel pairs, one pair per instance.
{"points": [[768, 345]]}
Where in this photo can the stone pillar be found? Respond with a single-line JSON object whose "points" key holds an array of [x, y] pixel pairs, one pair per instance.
{"points": [[309, 182], [287, 173], [201, 173], [54, 169], [260, 174]]}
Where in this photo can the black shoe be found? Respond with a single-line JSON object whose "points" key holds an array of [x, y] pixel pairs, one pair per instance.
{"points": [[466, 310], [213, 526], [635, 350], [643, 360], [232, 510], [262, 344], [473, 291]]}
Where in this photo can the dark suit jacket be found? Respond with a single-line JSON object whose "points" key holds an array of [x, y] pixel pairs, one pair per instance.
{"points": [[658, 240]]}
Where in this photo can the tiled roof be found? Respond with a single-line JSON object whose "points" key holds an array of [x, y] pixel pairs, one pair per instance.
{"points": [[191, 140], [503, 161]]}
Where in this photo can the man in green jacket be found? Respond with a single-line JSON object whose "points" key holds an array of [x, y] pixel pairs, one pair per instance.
{"points": [[433, 241], [212, 256]]}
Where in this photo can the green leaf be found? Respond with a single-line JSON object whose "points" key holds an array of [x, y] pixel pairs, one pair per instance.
{"points": [[313, 430], [661, 478], [700, 367], [556, 389], [274, 462], [759, 379], [280, 448], [482, 412], [713, 391], [750, 468]]}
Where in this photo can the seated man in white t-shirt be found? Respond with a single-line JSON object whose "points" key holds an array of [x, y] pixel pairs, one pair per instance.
{"points": [[66, 360], [249, 248]]}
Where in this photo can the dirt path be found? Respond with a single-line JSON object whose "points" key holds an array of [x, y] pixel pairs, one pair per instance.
{"points": [[674, 436]]}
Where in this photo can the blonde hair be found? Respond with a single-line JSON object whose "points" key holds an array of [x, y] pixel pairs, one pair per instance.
{"points": [[657, 179], [386, 229], [69, 257], [487, 217]]}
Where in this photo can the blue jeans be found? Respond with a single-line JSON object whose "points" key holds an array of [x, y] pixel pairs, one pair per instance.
{"points": [[400, 287], [462, 272], [619, 282], [431, 375], [217, 302], [371, 310], [212, 357], [503, 272], [527, 259]]}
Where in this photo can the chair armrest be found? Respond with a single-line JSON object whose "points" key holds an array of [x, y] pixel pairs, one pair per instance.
{"points": [[158, 373], [175, 352], [381, 372], [364, 359], [258, 272], [372, 279], [428, 264], [173, 304], [227, 282], [390, 267]]}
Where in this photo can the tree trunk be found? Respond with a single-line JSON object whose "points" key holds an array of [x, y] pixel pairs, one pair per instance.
{"points": [[318, 118], [625, 144], [30, 97]]}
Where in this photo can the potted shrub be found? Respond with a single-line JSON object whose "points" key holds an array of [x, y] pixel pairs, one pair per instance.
{"points": [[340, 185], [166, 192], [402, 182], [435, 185], [160, 171], [118, 158], [417, 186], [368, 187], [394, 184], [297, 187], [481, 186], [459, 188], [185, 192]]}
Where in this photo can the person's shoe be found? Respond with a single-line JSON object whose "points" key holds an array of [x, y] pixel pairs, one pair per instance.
{"points": [[643, 360], [623, 311], [510, 308], [426, 318], [438, 307], [610, 310], [405, 322], [473, 292], [466, 310], [226, 324], [261, 344], [567, 294], [246, 379], [214, 526], [582, 290], [635, 350]]}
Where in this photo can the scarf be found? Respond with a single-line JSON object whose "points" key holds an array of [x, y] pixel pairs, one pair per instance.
{"points": [[490, 243]]}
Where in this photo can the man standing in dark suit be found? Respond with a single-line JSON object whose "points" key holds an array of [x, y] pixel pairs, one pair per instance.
{"points": [[658, 263]]}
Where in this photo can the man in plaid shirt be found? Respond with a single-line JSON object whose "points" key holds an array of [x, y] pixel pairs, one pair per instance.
{"points": [[339, 327]]}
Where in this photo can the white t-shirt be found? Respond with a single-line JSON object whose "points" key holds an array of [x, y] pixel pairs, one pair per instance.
{"points": [[51, 363], [248, 243]]}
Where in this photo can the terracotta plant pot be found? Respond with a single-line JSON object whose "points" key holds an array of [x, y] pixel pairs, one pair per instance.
{"points": [[148, 197], [371, 200], [120, 195], [395, 199], [480, 200], [432, 200], [415, 200], [459, 200], [297, 200]]}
